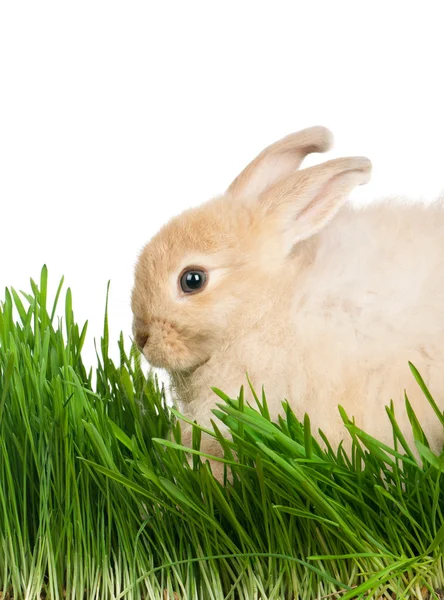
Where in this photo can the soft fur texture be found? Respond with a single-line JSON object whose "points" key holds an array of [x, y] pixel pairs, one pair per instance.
{"points": [[323, 304]]}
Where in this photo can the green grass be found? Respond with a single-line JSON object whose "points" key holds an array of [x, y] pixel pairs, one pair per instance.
{"points": [[97, 499]]}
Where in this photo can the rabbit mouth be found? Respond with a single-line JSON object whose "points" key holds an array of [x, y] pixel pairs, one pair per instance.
{"points": [[165, 347], [173, 357]]}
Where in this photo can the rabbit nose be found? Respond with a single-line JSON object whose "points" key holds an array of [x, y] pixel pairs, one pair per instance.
{"points": [[141, 339], [141, 335]]}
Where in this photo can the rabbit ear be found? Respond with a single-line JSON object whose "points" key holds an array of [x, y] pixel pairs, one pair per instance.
{"points": [[279, 160], [309, 199]]}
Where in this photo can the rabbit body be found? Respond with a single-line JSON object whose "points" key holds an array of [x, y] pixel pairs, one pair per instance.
{"points": [[321, 302], [370, 299]]}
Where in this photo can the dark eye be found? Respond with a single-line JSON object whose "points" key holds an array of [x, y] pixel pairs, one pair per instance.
{"points": [[192, 280]]}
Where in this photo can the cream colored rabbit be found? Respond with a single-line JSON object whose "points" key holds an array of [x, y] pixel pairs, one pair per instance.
{"points": [[322, 302]]}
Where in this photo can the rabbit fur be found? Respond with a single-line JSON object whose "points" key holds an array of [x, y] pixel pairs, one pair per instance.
{"points": [[320, 301]]}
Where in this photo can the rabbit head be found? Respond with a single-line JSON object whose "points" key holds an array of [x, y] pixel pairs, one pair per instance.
{"points": [[207, 272]]}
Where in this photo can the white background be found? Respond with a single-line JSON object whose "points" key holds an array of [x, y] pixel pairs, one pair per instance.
{"points": [[116, 115]]}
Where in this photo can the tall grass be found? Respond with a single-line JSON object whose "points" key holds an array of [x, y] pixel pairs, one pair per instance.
{"points": [[97, 499]]}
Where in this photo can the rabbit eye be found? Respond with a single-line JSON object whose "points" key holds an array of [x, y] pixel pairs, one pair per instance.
{"points": [[192, 280]]}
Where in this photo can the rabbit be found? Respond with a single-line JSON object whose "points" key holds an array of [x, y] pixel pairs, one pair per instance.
{"points": [[319, 301]]}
